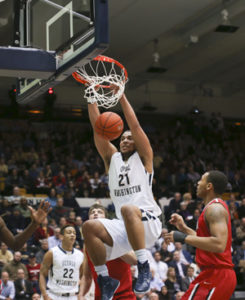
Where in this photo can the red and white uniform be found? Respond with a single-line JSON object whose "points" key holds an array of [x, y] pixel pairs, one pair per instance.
{"points": [[217, 279], [119, 270]]}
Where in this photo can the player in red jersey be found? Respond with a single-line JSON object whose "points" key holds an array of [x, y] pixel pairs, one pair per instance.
{"points": [[212, 239], [118, 268]]}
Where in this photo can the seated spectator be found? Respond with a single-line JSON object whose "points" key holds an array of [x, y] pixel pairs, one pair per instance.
{"points": [[174, 205], [24, 210], [12, 267], [240, 231], [160, 268], [36, 296], [164, 294], [13, 179], [52, 198], [71, 218], [6, 255], [43, 231], [185, 256], [15, 222], [44, 248], [180, 268], [42, 184], [27, 181], [191, 205], [62, 222], [7, 290], [15, 197], [95, 182], [33, 269], [192, 222], [239, 261], [186, 215], [233, 200], [156, 283], [234, 214], [172, 283], [158, 243], [166, 255], [241, 209], [54, 240], [187, 279], [24, 254], [23, 287], [59, 210], [6, 209], [78, 227], [59, 182]]}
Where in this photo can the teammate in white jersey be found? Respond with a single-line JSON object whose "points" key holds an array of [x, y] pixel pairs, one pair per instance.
{"points": [[138, 226], [63, 267]]}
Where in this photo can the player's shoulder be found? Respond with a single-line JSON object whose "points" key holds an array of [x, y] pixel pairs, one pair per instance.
{"points": [[215, 210]]}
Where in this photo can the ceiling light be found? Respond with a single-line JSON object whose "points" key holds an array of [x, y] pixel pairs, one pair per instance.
{"points": [[226, 26], [156, 65]]}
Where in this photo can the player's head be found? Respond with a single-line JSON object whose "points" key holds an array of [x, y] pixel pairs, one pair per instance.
{"points": [[97, 211], [127, 144], [212, 181], [68, 233]]}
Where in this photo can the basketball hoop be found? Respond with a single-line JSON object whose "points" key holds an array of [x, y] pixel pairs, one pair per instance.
{"points": [[105, 80]]}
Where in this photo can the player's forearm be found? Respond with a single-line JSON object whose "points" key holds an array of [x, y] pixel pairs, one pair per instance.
{"points": [[85, 284], [187, 230], [16, 242], [93, 113], [42, 285], [129, 113], [211, 244]]}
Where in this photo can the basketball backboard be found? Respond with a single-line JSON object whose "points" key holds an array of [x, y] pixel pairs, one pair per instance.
{"points": [[56, 37]]}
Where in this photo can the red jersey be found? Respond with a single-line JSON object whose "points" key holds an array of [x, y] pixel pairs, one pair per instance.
{"points": [[120, 270], [33, 272], [211, 259]]}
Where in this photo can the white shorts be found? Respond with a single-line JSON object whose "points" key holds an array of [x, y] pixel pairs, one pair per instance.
{"points": [[54, 296], [118, 233]]}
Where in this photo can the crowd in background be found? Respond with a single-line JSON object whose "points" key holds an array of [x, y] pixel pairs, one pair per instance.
{"points": [[60, 161]]}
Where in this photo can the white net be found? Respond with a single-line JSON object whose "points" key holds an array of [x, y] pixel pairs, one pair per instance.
{"points": [[105, 81]]}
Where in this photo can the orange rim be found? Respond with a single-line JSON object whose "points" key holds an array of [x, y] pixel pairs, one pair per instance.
{"points": [[80, 79]]}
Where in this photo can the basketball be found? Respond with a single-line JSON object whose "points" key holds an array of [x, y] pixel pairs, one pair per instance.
{"points": [[109, 125]]}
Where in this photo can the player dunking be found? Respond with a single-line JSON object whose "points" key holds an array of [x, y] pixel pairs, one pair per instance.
{"points": [[212, 239], [118, 268], [63, 266], [137, 227]]}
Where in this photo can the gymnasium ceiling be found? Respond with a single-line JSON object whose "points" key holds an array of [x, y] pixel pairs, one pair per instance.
{"points": [[201, 63]]}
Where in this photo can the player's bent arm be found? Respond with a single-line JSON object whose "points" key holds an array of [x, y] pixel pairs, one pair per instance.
{"points": [[216, 217], [104, 147], [45, 266], [17, 241], [178, 222], [86, 278], [141, 140]]}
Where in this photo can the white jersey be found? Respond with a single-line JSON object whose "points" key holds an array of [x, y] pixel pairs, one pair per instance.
{"points": [[130, 183], [64, 274]]}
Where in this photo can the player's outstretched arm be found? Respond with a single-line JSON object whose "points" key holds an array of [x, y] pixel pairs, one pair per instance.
{"points": [[104, 147], [45, 266], [17, 241], [141, 140], [86, 280], [216, 218]]}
